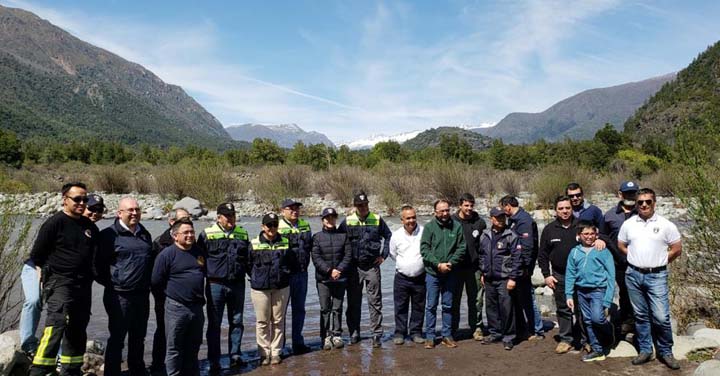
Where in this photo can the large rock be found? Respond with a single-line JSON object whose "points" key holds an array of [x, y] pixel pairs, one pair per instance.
{"points": [[154, 213], [193, 206], [685, 344], [9, 345], [708, 368], [537, 278], [623, 350], [712, 334]]}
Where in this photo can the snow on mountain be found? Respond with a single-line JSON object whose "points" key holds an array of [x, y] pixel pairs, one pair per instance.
{"points": [[367, 143]]}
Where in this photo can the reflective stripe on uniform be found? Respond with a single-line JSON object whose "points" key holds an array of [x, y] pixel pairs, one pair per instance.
{"points": [[371, 220], [257, 245], [39, 356], [286, 227], [64, 359], [214, 232]]}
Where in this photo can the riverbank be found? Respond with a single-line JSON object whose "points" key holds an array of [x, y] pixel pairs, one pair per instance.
{"points": [[157, 207]]}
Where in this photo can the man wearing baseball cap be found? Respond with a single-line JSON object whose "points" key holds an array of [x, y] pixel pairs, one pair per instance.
{"points": [[614, 218], [95, 207], [369, 237], [297, 231], [227, 245]]}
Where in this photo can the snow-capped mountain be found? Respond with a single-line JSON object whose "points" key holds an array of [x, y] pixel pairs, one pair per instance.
{"points": [[286, 135], [368, 143]]}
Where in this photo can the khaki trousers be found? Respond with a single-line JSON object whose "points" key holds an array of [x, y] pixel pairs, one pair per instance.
{"points": [[270, 306]]}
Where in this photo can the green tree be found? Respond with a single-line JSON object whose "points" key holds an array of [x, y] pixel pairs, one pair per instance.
{"points": [[299, 154], [10, 149], [264, 150], [609, 137], [453, 148], [389, 151]]}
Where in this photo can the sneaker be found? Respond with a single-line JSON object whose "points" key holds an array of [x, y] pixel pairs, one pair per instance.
{"points": [[562, 348], [449, 342], [327, 344], [355, 338], [593, 357], [490, 339], [642, 358], [429, 343], [275, 360], [236, 361], [265, 361], [399, 340], [536, 337], [670, 362], [508, 346], [376, 342], [338, 342], [478, 335], [301, 349], [418, 339]]}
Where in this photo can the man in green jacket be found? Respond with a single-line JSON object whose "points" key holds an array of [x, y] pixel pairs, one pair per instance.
{"points": [[442, 247]]}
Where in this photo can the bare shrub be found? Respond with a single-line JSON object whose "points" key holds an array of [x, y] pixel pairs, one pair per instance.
{"points": [[14, 246], [664, 182], [342, 182], [111, 179], [275, 183], [551, 181], [399, 184], [507, 182], [450, 180], [208, 181]]}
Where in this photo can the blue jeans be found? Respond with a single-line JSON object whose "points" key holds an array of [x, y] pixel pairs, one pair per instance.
{"points": [[183, 331], [298, 293], [649, 298], [32, 305], [597, 325], [439, 289], [219, 295]]}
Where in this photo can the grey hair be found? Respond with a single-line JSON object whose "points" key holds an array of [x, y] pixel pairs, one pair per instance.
{"points": [[174, 214]]}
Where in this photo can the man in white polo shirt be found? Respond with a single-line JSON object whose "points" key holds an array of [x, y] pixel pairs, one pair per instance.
{"points": [[650, 242], [409, 286]]}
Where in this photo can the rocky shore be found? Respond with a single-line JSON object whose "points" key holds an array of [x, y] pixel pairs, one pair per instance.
{"points": [[157, 207]]}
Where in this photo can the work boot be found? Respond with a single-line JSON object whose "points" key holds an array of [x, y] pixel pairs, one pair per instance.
{"points": [[418, 339], [562, 348], [670, 362], [429, 344], [399, 340], [642, 358], [449, 342], [355, 338]]}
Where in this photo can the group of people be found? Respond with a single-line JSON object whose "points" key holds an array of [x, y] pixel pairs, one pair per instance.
{"points": [[583, 255]]}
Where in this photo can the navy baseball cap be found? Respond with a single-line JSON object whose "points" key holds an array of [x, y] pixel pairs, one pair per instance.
{"points": [[95, 200], [270, 218], [496, 212], [629, 186], [360, 198], [227, 209], [289, 202], [328, 211]]}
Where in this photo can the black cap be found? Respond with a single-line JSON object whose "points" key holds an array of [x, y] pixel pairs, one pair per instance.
{"points": [[270, 218], [95, 200], [496, 212], [289, 202], [629, 186], [328, 211], [360, 198], [227, 209]]}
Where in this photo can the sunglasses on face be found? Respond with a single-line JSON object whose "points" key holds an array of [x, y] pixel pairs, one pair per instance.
{"points": [[79, 199], [644, 202], [272, 225], [96, 209], [575, 195]]}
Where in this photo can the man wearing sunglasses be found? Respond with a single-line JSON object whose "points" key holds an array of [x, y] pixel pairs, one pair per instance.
{"points": [[650, 242], [583, 210], [95, 207], [64, 250]]}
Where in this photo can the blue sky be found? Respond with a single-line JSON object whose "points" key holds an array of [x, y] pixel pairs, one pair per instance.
{"points": [[351, 69]]}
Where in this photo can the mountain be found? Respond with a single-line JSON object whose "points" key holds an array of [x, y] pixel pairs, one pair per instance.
{"points": [[693, 98], [579, 116], [286, 135], [368, 143], [431, 137], [55, 86]]}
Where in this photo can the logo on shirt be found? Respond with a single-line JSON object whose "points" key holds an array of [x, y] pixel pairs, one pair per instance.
{"points": [[656, 230], [475, 233], [201, 261], [555, 240], [499, 245], [88, 233]]}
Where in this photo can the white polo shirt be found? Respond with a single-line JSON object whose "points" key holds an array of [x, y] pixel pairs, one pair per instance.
{"points": [[648, 241], [405, 250]]}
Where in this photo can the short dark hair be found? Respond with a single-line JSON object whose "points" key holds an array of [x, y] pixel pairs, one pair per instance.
{"points": [[582, 225], [509, 200], [466, 197], [182, 221], [647, 191], [560, 199], [67, 186], [572, 187], [406, 207], [439, 201]]}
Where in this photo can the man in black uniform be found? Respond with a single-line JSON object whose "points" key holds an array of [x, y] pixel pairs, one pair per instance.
{"points": [[64, 250]]}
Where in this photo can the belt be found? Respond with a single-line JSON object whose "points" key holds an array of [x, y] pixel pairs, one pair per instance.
{"points": [[649, 270], [217, 280]]}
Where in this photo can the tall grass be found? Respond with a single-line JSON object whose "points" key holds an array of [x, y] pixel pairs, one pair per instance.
{"points": [[111, 179], [210, 181], [275, 183], [550, 182], [343, 182]]}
